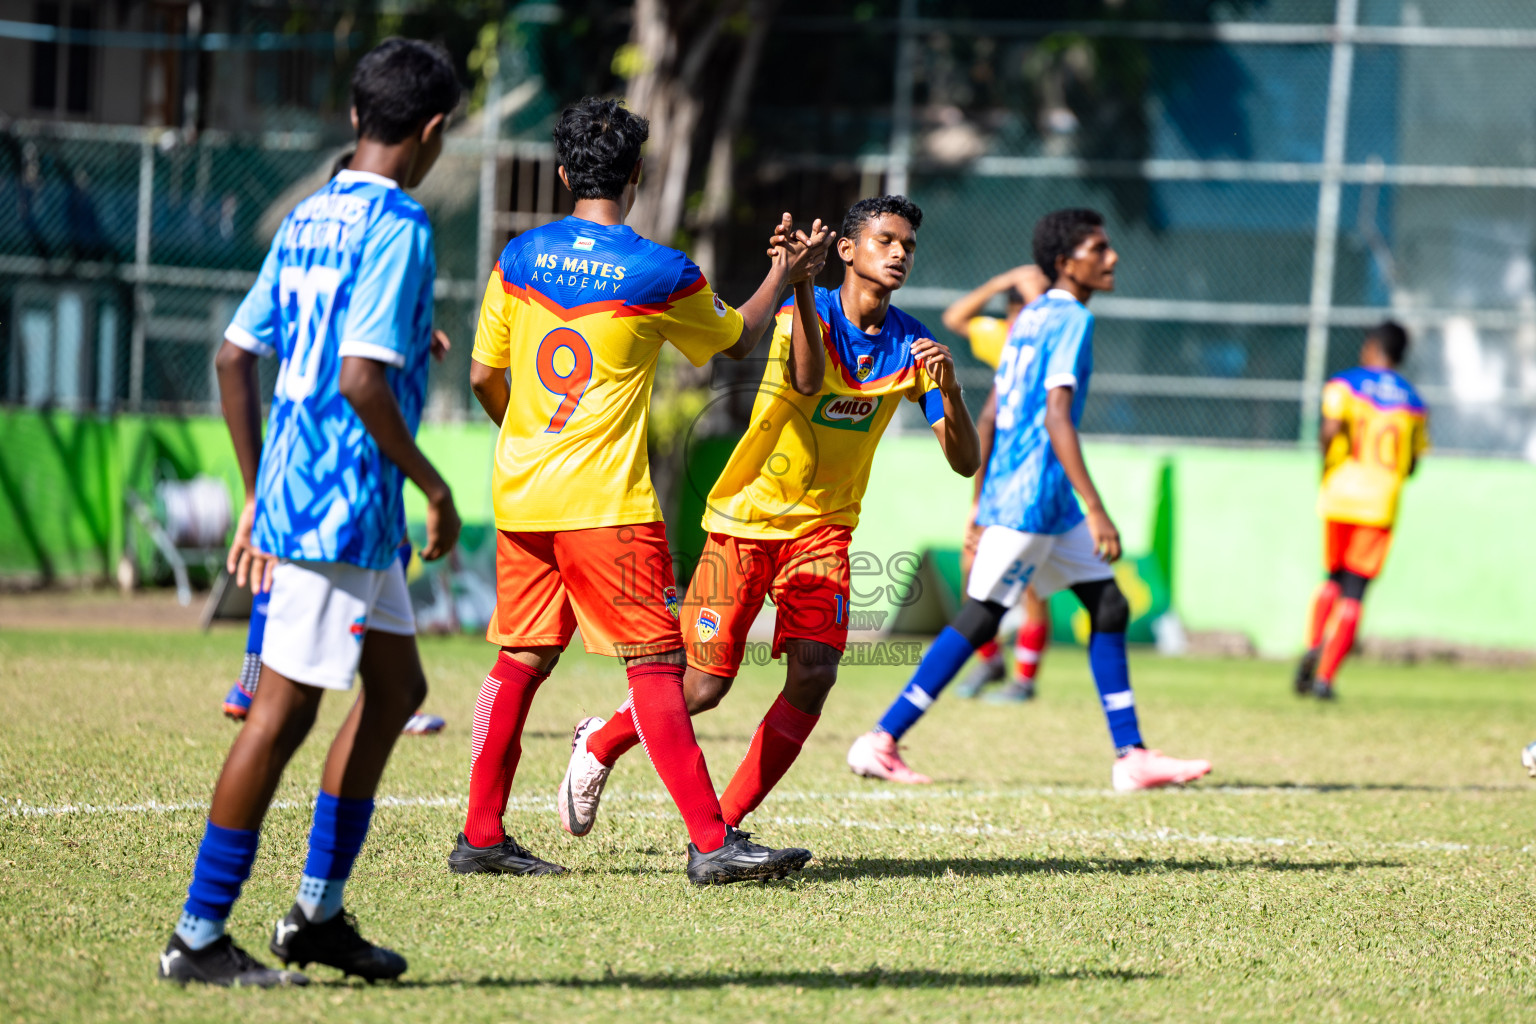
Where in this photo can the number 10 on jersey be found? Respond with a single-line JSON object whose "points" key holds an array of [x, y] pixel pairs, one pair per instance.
{"points": [[570, 385]]}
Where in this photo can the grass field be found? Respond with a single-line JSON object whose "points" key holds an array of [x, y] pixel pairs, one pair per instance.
{"points": [[1367, 860]]}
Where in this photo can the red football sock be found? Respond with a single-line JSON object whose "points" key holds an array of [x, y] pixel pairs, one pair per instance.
{"points": [[987, 650], [1026, 654], [496, 745], [661, 718], [1322, 608], [774, 747], [1341, 637], [616, 738]]}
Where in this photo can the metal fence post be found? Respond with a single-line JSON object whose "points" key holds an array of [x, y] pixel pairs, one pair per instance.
{"points": [[141, 272], [1335, 135], [896, 178], [490, 134]]}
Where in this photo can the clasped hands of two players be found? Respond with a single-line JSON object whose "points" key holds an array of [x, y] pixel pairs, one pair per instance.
{"points": [[802, 256], [248, 563]]}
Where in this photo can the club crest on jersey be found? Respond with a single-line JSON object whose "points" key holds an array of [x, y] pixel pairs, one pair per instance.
{"points": [[584, 244], [719, 306], [866, 366], [669, 595], [708, 624], [359, 627], [846, 412]]}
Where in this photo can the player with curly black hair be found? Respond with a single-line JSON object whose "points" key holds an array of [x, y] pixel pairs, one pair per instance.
{"points": [[782, 514]]}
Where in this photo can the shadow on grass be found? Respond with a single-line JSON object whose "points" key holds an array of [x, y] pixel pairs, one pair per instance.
{"points": [[838, 868], [872, 977], [1358, 787]]}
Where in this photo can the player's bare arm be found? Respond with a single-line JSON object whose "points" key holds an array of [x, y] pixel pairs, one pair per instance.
{"points": [[1327, 432], [986, 431], [807, 356], [365, 386], [492, 391], [956, 432], [236, 369], [1069, 452], [1028, 279], [789, 264]]}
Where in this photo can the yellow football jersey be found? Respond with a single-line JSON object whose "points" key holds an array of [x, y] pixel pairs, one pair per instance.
{"points": [[1385, 430], [578, 312], [804, 459], [987, 335]]}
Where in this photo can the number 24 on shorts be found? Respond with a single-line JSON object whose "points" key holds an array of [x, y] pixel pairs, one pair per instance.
{"points": [[570, 385]]}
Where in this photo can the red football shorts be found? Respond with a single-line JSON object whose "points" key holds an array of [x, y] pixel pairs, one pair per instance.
{"points": [[615, 582], [1361, 550], [806, 576]]}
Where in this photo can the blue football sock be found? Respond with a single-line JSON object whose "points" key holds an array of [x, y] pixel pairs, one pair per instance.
{"points": [[223, 864], [1111, 674], [949, 653], [341, 825], [258, 628], [250, 668]]}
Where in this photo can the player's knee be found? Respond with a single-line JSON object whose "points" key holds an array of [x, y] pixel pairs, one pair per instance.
{"points": [[416, 692], [1352, 585], [978, 621], [817, 679], [676, 657], [1108, 611], [284, 728], [704, 692]]}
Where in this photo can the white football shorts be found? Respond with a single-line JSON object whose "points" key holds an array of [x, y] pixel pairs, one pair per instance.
{"points": [[319, 613], [1007, 561]]}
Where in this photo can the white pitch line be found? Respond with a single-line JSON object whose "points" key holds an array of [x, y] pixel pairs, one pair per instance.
{"points": [[889, 794], [547, 804]]}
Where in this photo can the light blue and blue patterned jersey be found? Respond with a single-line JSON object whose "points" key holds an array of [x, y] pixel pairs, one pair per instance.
{"points": [[1050, 345], [349, 274]]}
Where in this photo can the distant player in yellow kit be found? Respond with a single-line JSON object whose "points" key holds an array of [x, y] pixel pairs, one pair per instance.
{"points": [[1374, 430]]}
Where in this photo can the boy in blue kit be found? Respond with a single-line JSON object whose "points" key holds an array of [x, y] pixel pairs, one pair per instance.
{"points": [[344, 299], [1034, 533]]}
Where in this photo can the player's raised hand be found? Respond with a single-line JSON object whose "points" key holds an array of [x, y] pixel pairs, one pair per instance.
{"points": [[443, 525], [245, 561], [1106, 539], [938, 362], [441, 346], [781, 242], [802, 256], [1030, 281]]}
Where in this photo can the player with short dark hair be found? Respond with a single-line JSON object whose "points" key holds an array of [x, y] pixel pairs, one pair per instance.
{"points": [[237, 702], [988, 335], [578, 312], [344, 298], [1034, 532], [1374, 431], [781, 516]]}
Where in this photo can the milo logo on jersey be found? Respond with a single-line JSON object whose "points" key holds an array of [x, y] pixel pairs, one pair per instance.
{"points": [[846, 412]]}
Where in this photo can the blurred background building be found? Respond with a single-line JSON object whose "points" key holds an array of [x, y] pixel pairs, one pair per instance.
{"points": [[1278, 175]]}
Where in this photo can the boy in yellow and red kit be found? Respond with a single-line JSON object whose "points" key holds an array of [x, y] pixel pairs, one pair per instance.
{"points": [[574, 319], [1374, 430], [783, 511]]}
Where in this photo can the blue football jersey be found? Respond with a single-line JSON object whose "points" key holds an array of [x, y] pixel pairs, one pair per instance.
{"points": [[349, 274], [1050, 345]]}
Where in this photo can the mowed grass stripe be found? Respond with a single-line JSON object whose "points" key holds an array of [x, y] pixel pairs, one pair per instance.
{"points": [[1017, 888]]}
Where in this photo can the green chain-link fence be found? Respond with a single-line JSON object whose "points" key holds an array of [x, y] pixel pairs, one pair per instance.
{"points": [[1289, 172]]}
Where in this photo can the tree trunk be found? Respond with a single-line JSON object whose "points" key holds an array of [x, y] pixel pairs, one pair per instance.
{"points": [[714, 212]]}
